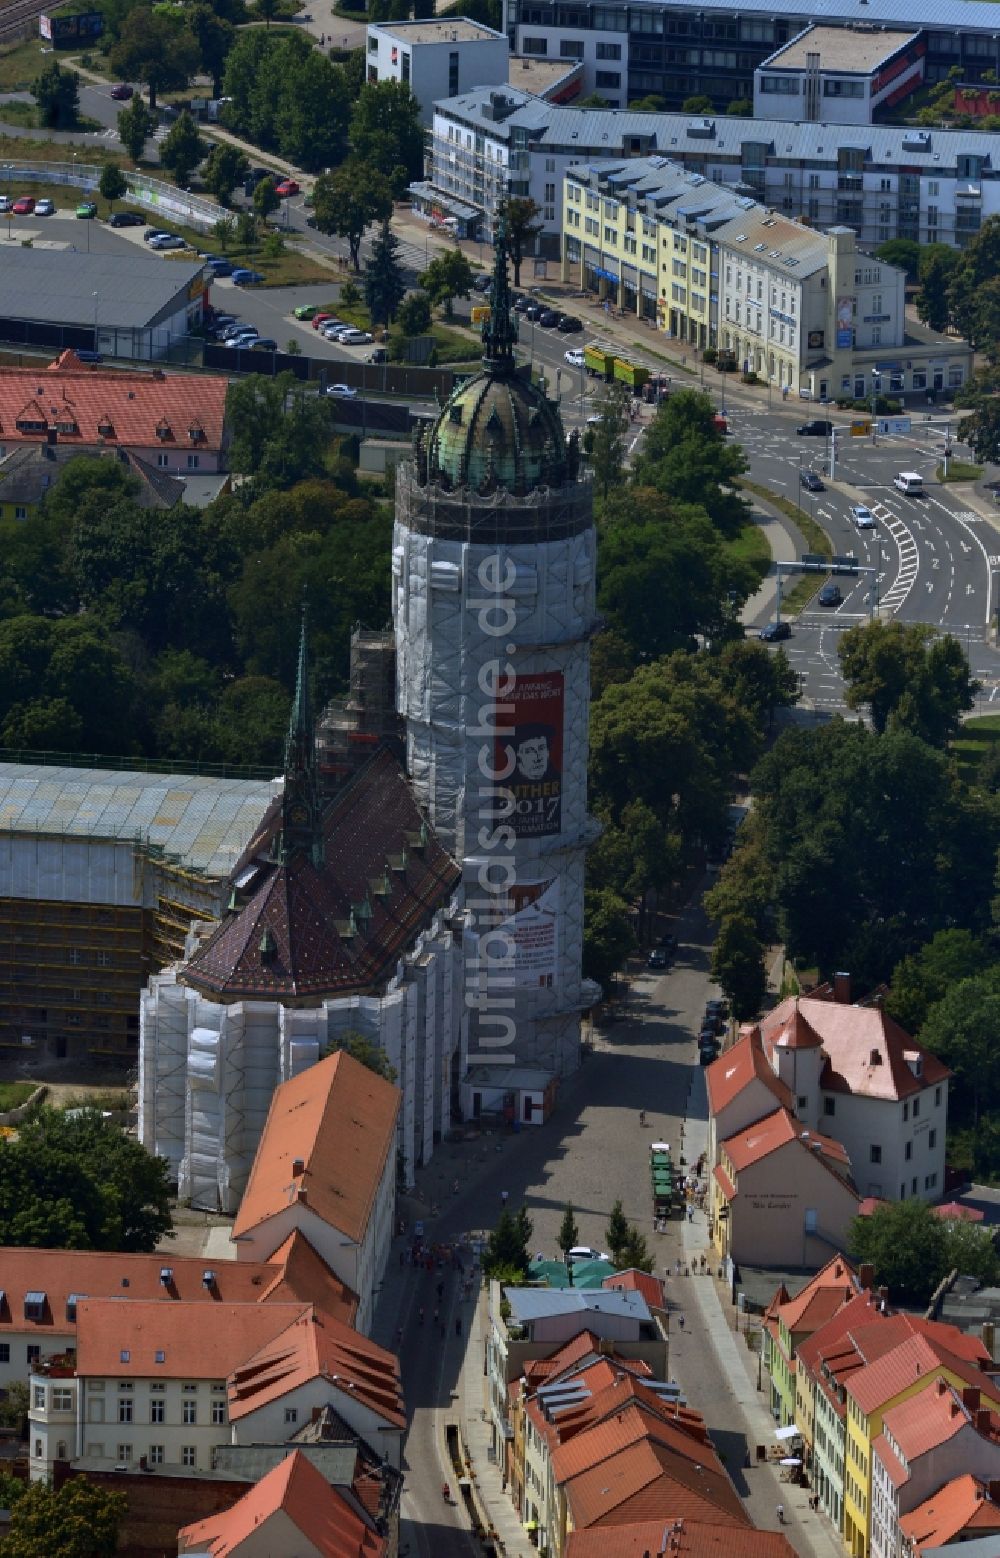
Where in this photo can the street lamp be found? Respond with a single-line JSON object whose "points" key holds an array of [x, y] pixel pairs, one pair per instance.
{"points": [[94, 295], [876, 385]]}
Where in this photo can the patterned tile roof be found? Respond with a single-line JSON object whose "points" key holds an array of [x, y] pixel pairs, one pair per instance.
{"points": [[961, 1505], [736, 1068], [315, 1346], [868, 1054], [692, 1539]]}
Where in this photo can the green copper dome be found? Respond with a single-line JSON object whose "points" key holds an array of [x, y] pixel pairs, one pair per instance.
{"points": [[498, 429]]}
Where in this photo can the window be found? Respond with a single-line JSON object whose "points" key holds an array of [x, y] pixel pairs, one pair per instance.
{"points": [[291, 1414], [34, 1353], [38, 1398], [404, 68], [534, 45], [124, 1452], [908, 1151], [155, 1455], [62, 1400], [125, 1409], [157, 1390], [937, 1090], [875, 1154], [571, 49], [906, 1111], [452, 72], [931, 1141], [156, 1411], [20, 512], [190, 1413], [916, 1108], [779, 86], [163, 460], [829, 1106], [189, 1455], [913, 1184], [218, 1412], [609, 51], [608, 78], [194, 460], [4, 1352], [38, 1449]]}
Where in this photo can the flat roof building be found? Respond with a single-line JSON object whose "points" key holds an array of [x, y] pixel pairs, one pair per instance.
{"points": [[437, 57], [840, 75], [122, 304]]}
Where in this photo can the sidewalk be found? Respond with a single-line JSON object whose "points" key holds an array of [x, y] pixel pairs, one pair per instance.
{"points": [[786, 544], [810, 1533]]}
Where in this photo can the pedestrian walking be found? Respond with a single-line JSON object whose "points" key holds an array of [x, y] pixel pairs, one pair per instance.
{"points": [[690, 1214], [503, 1197], [781, 1514]]}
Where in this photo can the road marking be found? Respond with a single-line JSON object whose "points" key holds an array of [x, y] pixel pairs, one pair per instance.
{"points": [[909, 558], [965, 518]]}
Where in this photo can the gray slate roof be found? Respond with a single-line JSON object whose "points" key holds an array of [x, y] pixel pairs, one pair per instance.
{"points": [[935, 15], [527, 1304], [59, 285]]}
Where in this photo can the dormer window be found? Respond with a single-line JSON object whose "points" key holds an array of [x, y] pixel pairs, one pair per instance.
{"points": [[196, 432], [67, 426], [106, 427], [71, 1302], [163, 430], [34, 1306]]}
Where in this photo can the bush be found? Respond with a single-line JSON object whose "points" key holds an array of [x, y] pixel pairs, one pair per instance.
{"points": [[710, 354]]}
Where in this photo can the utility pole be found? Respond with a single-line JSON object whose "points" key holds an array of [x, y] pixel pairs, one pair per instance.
{"points": [[876, 381]]}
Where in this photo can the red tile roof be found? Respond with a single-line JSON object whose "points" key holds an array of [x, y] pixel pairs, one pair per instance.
{"points": [[649, 1480], [619, 1426], [954, 1211], [293, 1274], [577, 1348], [133, 406], [636, 1281], [312, 1346], [837, 1279], [796, 1031], [778, 1130], [877, 1383], [736, 1068], [866, 1050], [962, 1505], [339, 1120], [692, 1539], [145, 1340], [319, 1513], [342, 927], [724, 1182], [926, 1420]]}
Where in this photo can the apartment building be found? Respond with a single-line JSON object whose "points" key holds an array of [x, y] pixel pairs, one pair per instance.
{"points": [[788, 1322], [674, 51], [436, 58], [883, 181], [805, 311], [839, 75]]}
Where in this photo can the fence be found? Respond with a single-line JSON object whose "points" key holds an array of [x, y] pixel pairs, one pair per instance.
{"points": [[153, 194]]}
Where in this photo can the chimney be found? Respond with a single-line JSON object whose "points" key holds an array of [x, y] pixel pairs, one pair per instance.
{"points": [[842, 989], [298, 1167], [983, 1420], [942, 1386], [866, 1274], [302, 1197], [970, 1398], [883, 1294]]}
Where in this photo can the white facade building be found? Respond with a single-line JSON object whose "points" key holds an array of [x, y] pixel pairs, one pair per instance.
{"points": [[838, 75], [883, 181], [437, 58]]}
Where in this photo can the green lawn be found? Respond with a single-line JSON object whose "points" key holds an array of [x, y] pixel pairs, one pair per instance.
{"points": [[977, 740], [815, 536], [959, 470], [750, 546], [20, 63], [14, 1094]]}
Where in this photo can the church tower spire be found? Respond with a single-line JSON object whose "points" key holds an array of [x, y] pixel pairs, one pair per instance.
{"points": [[301, 813], [499, 330]]}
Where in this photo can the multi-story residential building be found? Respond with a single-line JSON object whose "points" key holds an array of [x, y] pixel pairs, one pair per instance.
{"points": [[965, 1512], [884, 181], [43, 1288], [937, 1435], [326, 1167], [667, 49], [436, 57], [838, 75], [803, 310], [789, 1322]]}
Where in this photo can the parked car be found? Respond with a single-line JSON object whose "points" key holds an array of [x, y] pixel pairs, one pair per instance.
{"points": [[23, 206], [817, 428], [549, 318], [522, 304], [121, 92], [574, 357], [319, 320], [379, 355], [264, 343], [657, 958], [307, 311], [220, 267], [342, 391], [286, 187], [811, 482], [569, 324], [45, 207], [247, 278], [86, 210], [167, 241], [84, 354], [863, 517], [584, 1252], [123, 219], [717, 1007], [534, 310], [773, 632], [243, 341], [334, 329], [830, 595], [707, 1053], [6, 205], [482, 283], [155, 232], [351, 337]]}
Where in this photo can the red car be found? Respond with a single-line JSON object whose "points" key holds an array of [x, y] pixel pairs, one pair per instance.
{"points": [[24, 206], [320, 319], [287, 187], [122, 92]]}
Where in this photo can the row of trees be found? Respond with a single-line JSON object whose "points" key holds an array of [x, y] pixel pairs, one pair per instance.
{"points": [[508, 1250]]}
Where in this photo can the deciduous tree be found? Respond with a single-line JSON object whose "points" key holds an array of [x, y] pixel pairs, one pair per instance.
{"points": [[738, 966], [924, 978], [214, 37], [386, 131], [909, 675], [507, 1246], [608, 936], [414, 316], [157, 49], [608, 441], [447, 277], [80, 1521], [266, 198], [183, 149], [348, 201], [225, 167], [616, 1233], [135, 125], [523, 217], [685, 455], [113, 183], [57, 93]]}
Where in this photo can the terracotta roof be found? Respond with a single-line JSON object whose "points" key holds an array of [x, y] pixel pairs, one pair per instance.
{"points": [[961, 1505], [291, 1275], [625, 1425], [866, 1050], [736, 1068], [693, 1538], [171, 1341], [642, 1282], [926, 1420], [954, 1211], [894, 1468], [343, 927], [836, 1279], [304, 1275], [879, 1381], [833, 1346], [320, 1514], [796, 1032], [132, 406], [724, 1182], [313, 1346], [580, 1346], [649, 1480], [775, 1131], [338, 1119]]}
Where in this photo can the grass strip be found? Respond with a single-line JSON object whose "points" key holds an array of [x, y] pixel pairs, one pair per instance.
{"points": [[958, 470], [815, 536]]}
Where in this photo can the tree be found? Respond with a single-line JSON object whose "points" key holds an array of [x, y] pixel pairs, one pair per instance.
{"points": [[972, 291], [225, 231], [14, 1411], [414, 316], [267, 10], [608, 445], [82, 1520], [652, 103], [347, 201], [740, 108], [906, 1243], [57, 93], [68, 669], [367, 1053], [634, 1254], [266, 198], [699, 103], [608, 937], [278, 431], [523, 225], [686, 455], [617, 1232], [113, 183], [595, 100], [183, 149], [448, 276], [225, 168], [738, 966], [313, 107], [385, 287], [961, 1030], [135, 125], [904, 253], [81, 1182], [246, 230], [155, 48], [981, 431], [924, 978], [508, 1244], [908, 675], [569, 1233], [386, 132], [214, 36], [933, 302]]}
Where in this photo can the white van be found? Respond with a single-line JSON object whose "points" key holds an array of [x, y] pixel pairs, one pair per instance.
{"points": [[910, 483]]}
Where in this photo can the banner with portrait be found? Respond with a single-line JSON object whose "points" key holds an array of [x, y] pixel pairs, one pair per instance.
{"points": [[529, 743], [532, 925]]}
